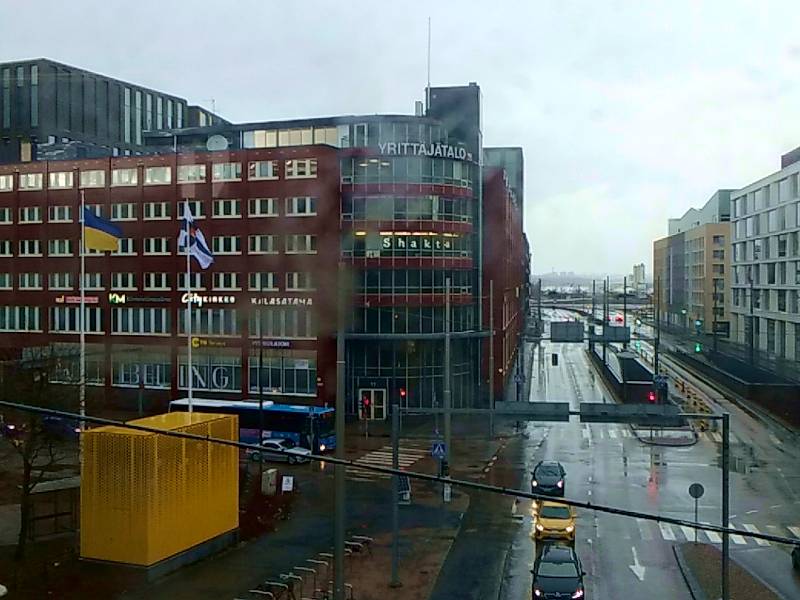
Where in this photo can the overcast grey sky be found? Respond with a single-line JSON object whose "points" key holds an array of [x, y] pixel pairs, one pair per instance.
{"points": [[628, 112]]}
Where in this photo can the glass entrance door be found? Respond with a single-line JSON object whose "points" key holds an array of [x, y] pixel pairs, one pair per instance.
{"points": [[374, 402]]}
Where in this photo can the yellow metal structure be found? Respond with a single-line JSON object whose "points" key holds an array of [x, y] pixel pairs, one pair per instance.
{"points": [[146, 496]]}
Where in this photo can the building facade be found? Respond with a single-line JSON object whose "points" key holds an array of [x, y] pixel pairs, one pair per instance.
{"points": [[766, 262], [691, 269], [50, 110]]}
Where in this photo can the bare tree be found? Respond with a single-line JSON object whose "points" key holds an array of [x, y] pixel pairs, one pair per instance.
{"points": [[38, 446]]}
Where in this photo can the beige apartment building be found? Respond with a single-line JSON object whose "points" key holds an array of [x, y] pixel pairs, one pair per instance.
{"points": [[691, 268]]}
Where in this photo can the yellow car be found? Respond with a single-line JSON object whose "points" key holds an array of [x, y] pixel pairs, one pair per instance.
{"points": [[555, 521]]}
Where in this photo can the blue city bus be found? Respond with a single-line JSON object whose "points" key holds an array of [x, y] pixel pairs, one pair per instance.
{"points": [[311, 427]]}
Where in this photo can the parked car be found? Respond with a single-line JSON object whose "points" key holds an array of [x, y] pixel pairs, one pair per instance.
{"points": [[557, 573], [548, 478], [281, 450], [555, 521], [61, 427]]}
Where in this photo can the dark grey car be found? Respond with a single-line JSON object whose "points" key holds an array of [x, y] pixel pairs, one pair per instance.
{"points": [[549, 478], [557, 574]]}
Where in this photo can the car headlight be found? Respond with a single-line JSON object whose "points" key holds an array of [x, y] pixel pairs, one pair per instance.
{"points": [[578, 593], [537, 592], [570, 528], [539, 527], [534, 483], [560, 483], [322, 447]]}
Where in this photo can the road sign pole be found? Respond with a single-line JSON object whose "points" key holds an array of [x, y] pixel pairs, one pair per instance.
{"points": [[338, 470], [395, 580], [726, 431], [695, 519]]}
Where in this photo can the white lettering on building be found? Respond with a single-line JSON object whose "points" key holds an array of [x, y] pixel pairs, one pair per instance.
{"points": [[417, 149]]}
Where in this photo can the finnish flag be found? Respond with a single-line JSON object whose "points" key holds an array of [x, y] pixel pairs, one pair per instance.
{"points": [[192, 236]]}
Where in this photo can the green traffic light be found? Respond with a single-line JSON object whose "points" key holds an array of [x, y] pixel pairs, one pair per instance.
{"points": [[698, 348]]}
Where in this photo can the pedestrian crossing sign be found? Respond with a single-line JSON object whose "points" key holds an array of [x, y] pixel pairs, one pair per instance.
{"points": [[437, 450]]}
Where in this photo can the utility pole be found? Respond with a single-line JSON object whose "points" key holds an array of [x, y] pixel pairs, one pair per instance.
{"points": [[540, 326], [605, 319], [657, 315], [447, 398], [261, 393], [491, 357], [592, 320], [714, 317], [625, 306], [395, 580], [339, 472], [726, 432], [752, 323]]}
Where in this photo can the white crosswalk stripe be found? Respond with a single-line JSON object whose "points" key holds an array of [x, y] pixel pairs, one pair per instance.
{"points": [[613, 434], [643, 530], [625, 432], [666, 532], [795, 530], [382, 457], [713, 537], [716, 437], [688, 532], [754, 529]]}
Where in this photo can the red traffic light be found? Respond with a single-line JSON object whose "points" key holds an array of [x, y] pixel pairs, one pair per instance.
{"points": [[402, 392], [651, 396], [366, 401]]}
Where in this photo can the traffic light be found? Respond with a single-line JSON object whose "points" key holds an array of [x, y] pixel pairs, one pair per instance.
{"points": [[698, 347], [638, 344], [402, 393], [363, 406], [651, 397]]}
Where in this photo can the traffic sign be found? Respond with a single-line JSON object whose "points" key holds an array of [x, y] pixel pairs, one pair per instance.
{"points": [[696, 490], [438, 450]]}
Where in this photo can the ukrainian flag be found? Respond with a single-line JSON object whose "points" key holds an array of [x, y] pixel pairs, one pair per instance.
{"points": [[98, 233]]}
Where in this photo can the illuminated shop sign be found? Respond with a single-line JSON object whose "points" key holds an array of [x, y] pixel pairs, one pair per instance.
{"points": [[117, 298], [272, 343], [77, 299], [207, 343], [412, 243], [200, 300], [274, 301], [417, 149]]}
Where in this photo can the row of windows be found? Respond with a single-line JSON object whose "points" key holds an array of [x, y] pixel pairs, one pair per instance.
{"points": [[786, 301], [776, 273], [410, 208], [777, 246], [298, 168], [223, 208], [779, 219], [409, 169], [770, 195], [413, 281]]}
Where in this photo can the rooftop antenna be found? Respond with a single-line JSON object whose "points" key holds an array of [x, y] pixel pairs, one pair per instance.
{"points": [[213, 105], [428, 88]]}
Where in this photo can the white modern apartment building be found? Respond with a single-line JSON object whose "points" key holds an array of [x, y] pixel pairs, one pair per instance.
{"points": [[766, 262]]}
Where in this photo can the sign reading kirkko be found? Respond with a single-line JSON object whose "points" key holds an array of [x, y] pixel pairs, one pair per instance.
{"points": [[201, 299], [417, 149]]}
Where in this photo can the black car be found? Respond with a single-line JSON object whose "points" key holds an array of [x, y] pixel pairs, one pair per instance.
{"points": [[557, 573], [548, 478]]}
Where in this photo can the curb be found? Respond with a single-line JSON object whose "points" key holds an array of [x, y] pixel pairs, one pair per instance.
{"points": [[691, 583], [678, 444]]}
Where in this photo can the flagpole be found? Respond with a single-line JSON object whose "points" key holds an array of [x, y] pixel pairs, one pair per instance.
{"points": [[188, 243], [82, 319]]}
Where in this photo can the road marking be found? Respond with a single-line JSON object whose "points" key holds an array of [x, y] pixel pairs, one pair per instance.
{"points": [[666, 532], [754, 529], [644, 532], [750, 512], [585, 432], [688, 532], [795, 531], [736, 538], [775, 506], [613, 434], [625, 433], [714, 537], [775, 439], [716, 437]]}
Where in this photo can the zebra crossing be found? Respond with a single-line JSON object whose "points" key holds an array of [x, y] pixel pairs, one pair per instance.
{"points": [[382, 457], [668, 532]]}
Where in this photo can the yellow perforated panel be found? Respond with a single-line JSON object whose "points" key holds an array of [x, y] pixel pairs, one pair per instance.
{"points": [[146, 496]]}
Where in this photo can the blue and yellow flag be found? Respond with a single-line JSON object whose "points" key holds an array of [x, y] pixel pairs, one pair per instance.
{"points": [[99, 233]]}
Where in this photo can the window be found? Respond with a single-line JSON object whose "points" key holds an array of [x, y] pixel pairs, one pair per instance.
{"points": [[5, 248], [140, 321], [191, 173], [301, 244], [30, 281], [227, 244], [60, 214], [93, 281], [20, 318], [123, 211], [30, 214], [157, 175], [262, 282], [66, 319], [783, 242], [299, 282], [263, 207], [93, 179], [6, 183], [301, 206], [262, 169], [30, 248], [60, 180], [303, 168], [227, 209], [771, 273], [59, 248], [5, 281], [226, 281], [30, 181], [123, 281], [125, 247], [211, 321], [5, 216], [283, 322], [262, 244], [719, 254], [196, 281], [59, 281], [121, 177], [156, 211], [196, 206], [159, 245], [156, 281], [226, 172], [285, 375], [781, 300]]}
